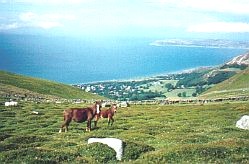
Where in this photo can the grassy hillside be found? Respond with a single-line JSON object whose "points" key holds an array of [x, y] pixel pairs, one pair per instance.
{"points": [[152, 134], [17, 84], [238, 85]]}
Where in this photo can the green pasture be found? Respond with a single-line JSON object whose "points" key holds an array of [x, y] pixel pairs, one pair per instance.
{"points": [[160, 87], [151, 134], [226, 93], [174, 93], [18, 84], [236, 86]]}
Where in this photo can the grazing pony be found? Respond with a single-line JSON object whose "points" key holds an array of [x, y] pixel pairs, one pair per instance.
{"points": [[80, 115], [109, 113]]}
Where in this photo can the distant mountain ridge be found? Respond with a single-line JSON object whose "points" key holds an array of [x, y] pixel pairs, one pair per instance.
{"points": [[235, 86], [210, 43], [240, 60]]}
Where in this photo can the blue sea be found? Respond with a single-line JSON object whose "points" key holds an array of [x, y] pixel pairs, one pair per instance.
{"points": [[82, 60]]}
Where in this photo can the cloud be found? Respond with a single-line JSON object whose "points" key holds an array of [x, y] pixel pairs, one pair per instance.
{"points": [[31, 16], [28, 16], [48, 25], [48, 2], [155, 16], [220, 27], [45, 21], [34, 20], [9, 26], [223, 6]]}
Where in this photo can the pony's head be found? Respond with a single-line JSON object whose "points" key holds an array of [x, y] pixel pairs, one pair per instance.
{"points": [[114, 108]]}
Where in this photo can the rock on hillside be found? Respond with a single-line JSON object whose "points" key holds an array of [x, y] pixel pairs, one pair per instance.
{"points": [[240, 60]]}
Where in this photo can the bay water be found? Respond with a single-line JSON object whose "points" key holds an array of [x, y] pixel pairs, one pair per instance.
{"points": [[82, 60]]}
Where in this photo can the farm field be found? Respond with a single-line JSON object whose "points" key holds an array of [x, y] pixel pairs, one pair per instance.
{"points": [[175, 92], [151, 133], [160, 87]]}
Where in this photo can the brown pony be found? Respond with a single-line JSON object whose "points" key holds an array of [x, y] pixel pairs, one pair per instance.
{"points": [[109, 113], [80, 115]]}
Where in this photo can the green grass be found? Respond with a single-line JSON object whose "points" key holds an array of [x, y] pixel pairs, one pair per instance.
{"points": [[18, 84], [174, 93], [152, 134], [238, 85], [161, 87]]}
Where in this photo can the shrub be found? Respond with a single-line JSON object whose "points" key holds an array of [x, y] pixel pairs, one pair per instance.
{"points": [[241, 67], [214, 152], [220, 77], [20, 142], [34, 155], [3, 136], [179, 94], [193, 154], [25, 139], [133, 150], [169, 86], [100, 152], [192, 79]]}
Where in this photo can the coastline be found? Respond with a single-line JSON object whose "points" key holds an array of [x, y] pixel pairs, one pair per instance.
{"points": [[198, 43], [149, 77], [196, 46]]}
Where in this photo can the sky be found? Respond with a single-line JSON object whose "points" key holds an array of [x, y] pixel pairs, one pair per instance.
{"points": [[145, 18]]}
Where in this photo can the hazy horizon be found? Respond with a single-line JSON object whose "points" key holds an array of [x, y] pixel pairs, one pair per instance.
{"points": [[159, 19], [62, 39]]}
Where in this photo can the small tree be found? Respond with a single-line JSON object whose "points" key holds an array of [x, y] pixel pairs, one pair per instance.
{"points": [[179, 94], [199, 89], [184, 94], [194, 94], [169, 86]]}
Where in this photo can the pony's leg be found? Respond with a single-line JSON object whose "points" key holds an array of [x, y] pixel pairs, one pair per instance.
{"points": [[109, 121], [62, 126], [66, 127], [88, 127], [96, 121], [65, 124], [95, 124], [112, 121]]}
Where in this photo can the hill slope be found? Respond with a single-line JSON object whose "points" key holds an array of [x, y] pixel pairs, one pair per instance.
{"points": [[238, 85], [240, 60], [23, 86]]}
